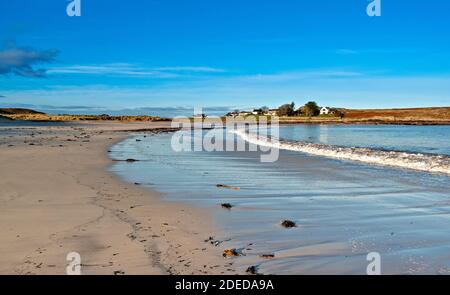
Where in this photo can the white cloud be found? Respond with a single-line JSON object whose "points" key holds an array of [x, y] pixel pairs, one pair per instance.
{"points": [[300, 75], [191, 69], [124, 69], [120, 69], [344, 51]]}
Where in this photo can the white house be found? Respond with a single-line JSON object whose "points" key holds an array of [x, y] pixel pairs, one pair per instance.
{"points": [[272, 112], [245, 113], [326, 111]]}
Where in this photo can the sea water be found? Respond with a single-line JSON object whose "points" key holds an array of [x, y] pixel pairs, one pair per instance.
{"points": [[343, 208]]}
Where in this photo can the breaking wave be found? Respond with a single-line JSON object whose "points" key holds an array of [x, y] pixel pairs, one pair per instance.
{"points": [[416, 161]]}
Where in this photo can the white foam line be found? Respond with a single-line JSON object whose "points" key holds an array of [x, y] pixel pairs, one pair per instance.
{"points": [[416, 161]]}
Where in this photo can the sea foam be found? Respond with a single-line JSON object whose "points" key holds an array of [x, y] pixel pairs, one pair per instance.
{"points": [[416, 161]]}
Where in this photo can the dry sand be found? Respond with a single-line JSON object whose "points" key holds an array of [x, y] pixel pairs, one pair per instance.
{"points": [[56, 197]]}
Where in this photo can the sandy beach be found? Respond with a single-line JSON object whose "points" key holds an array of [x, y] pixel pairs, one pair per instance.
{"points": [[57, 197]]}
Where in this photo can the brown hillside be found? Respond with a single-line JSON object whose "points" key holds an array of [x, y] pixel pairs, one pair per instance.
{"points": [[18, 111], [442, 113]]}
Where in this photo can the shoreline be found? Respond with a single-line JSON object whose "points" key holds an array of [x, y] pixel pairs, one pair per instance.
{"points": [[368, 122], [60, 194], [56, 179]]}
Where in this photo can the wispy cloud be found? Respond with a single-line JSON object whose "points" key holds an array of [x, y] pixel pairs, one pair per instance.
{"points": [[119, 69], [344, 51], [191, 69], [300, 75], [22, 61], [132, 70]]}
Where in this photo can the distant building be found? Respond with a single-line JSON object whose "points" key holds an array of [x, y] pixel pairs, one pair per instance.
{"points": [[245, 113], [326, 111], [272, 112], [238, 113]]}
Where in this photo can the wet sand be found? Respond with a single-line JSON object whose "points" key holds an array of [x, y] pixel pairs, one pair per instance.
{"points": [[57, 197]]}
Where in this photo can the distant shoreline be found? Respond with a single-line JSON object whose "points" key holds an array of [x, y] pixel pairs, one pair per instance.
{"points": [[366, 122], [407, 116]]}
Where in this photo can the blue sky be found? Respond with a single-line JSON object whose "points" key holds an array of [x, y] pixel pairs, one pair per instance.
{"points": [[172, 55]]}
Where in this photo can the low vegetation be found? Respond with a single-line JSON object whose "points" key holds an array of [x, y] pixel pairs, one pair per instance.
{"points": [[432, 114], [31, 115], [310, 109], [308, 113], [311, 113]]}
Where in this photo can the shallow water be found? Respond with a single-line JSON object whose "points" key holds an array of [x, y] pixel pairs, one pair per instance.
{"points": [[344, 209], [415, 139], [429, 162]]}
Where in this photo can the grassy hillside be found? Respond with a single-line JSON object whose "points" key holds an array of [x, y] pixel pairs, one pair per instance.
{"points": [[31, 115], [17, 111], [411, 116], [419, 116], [431, 114]]}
